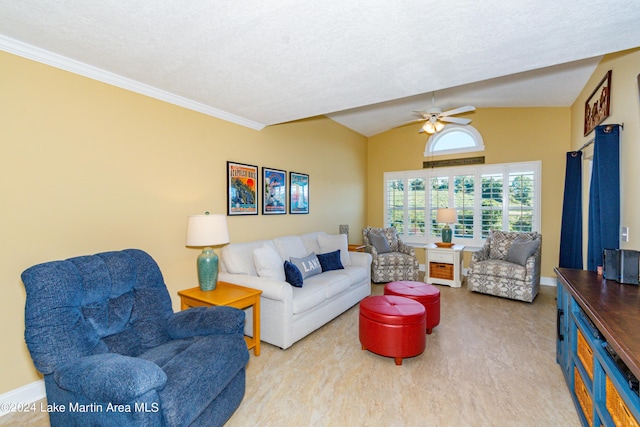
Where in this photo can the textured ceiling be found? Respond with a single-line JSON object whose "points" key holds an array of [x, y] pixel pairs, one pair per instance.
{"points": [[365, 63]]}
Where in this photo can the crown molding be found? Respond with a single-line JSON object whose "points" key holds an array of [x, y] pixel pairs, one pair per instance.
{"points": [[64, 63]]}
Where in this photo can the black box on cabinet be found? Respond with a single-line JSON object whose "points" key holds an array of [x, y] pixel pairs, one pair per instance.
{"points": [[610, 257], [622, 265], [628, 266]]}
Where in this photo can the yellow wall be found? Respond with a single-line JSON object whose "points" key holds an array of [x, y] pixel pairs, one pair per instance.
{"points": [[510, 135], [625, 108], [87, 167]]}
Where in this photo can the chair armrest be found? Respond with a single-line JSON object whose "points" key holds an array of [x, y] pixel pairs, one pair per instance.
{"points": [[406, 249], [370, 249], [110, 377], [198, 321], [481, 255]]}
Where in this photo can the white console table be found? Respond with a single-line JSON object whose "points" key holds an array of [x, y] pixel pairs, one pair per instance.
{"points": [[444, 265]]}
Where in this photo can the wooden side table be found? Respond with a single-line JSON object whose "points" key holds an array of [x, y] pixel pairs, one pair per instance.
{"points": [[356, 248], [230, 295]]}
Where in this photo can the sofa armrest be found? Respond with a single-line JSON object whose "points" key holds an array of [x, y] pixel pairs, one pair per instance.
{"points": [[110, 377], [271, 289], [199, 321], [360, 259]]}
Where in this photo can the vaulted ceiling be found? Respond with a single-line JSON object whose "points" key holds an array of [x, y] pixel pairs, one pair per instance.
{"points": [[365, 63]]}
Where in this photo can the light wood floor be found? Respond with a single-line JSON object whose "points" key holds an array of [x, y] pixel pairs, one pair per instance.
{"points": [[490, 362]]}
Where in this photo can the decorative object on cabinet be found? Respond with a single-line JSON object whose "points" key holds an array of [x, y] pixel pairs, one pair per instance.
{"points": [[508, 265], [100, 328], [392, 259], [274, 191], [299, 197], [597, 106], [242, 189], [205, 231], [446, 216]]}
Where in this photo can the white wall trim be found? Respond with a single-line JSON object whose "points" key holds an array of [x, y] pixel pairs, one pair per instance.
{"points": [[24, 395], [62, 62]]}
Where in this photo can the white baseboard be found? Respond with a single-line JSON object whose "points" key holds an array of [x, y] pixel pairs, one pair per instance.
{"points": [[548, 281], [24, 395]]}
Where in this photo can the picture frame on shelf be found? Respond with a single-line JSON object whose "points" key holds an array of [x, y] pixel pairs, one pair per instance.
{"points": [[598, 105], [298, 193], [274, 191], [242, 189]]}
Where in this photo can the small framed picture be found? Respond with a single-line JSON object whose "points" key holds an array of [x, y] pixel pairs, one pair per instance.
{"points": [[274, 191], [242, 189], [298, 193]]}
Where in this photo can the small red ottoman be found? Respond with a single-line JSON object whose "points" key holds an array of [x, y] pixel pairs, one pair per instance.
{"points": [[392, 326], [426, 294]]}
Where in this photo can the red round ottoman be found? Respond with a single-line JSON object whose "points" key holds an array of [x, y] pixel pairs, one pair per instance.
{"points": [[392, 326], [426, 294]]}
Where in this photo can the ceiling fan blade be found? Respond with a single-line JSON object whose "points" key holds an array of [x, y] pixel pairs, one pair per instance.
{"points": [[458, 110], [456, 120]]}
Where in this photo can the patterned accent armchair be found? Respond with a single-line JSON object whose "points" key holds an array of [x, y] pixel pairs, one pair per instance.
{"points": [[113, 353], [392, 260], [508, 265]]}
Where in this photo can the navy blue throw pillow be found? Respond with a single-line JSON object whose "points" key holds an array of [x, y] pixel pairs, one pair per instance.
{"points": [[330, 261], [292, 274]]}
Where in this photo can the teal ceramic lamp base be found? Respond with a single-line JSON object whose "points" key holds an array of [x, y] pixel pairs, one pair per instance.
{"points": [[207, 269], [447, 234]]}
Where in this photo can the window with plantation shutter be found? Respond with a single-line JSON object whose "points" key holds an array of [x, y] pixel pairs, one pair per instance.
{"points": [[486, 197]]}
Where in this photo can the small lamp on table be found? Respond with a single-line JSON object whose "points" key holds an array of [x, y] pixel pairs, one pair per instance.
{"points": [[206, 231], [447, 216]]}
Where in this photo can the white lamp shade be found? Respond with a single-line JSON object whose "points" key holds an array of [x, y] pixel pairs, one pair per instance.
{"points": [[447, 215], [207, 230]]}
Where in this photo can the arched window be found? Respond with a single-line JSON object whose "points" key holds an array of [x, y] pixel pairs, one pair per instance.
{"points": [[454, 139]]}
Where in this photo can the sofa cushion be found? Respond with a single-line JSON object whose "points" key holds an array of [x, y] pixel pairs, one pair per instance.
{"points": [[290, 246], [308, 266], [238, 257], [330, 261], [333, 282], [520, 251], [310, 242], [268, 263], [292, 274], [332, 242], [307, 296], [356, 274]]}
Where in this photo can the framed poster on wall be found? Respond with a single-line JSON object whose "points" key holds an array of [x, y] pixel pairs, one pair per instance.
{"points": [[274, 191], [242, 189], [299, 193]]}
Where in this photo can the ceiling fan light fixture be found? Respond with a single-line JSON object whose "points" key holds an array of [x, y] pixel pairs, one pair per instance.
{"points": [[429, 127], [439, 126]]}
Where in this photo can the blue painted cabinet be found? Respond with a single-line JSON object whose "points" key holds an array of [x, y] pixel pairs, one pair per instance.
{"points": [[600, 383]]}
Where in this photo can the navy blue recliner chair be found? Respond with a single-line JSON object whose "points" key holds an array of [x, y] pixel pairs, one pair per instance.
{"points": [[101, 330]]}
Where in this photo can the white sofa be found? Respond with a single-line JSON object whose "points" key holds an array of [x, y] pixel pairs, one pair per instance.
{"points": [[288, 313]]}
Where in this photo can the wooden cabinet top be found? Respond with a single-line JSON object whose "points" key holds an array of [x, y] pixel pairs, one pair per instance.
{"points": [[613, 307]]}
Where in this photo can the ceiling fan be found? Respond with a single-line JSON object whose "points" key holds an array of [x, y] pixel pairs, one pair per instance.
{"points": [[435, 118]]}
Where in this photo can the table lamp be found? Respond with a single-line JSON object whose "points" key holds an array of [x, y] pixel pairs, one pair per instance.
{"points": [[446, 216], [205, 231]]}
